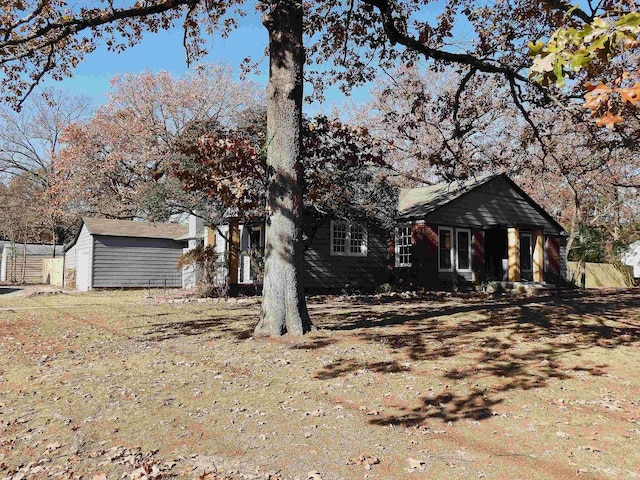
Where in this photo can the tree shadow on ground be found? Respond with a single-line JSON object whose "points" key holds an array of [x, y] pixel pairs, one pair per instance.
{"points": [[343, 365], [8, 290], [516, 343], [238, 325]]}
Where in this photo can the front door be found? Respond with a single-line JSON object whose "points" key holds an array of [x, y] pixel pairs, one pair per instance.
{"points": [[495, 247]]}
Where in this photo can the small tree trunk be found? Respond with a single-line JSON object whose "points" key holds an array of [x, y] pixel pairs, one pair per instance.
{"points": [[284, 309], [53, 240], [14, 265], [582, 267], [24, 262]]}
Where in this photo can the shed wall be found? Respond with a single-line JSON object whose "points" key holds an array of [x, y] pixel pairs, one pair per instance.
{"points": [[135, 262], [83, 248]]}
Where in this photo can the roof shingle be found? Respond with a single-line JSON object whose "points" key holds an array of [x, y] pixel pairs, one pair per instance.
{"points": [[129, 228]]}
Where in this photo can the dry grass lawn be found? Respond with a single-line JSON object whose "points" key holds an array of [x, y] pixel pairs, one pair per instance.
{"points": [[114, 385]]}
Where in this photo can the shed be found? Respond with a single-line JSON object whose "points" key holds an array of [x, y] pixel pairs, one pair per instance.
{"points": [[23, 263], [108, 253]]}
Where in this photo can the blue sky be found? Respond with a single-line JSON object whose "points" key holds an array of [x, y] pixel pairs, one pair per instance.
{"points": [[164, 51]]}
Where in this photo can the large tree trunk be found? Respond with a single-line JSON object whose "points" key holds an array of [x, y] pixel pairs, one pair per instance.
{"points": [[283, 304]]}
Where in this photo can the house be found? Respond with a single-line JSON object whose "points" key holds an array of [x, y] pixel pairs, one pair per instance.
{"points": [[24, 263], [124, 254], [632, 258], [473, 231], [248, 239]]}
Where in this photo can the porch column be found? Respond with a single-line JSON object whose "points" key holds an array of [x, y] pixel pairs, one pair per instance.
{"points": [[234, 250], [538, 256], [513, 241]]}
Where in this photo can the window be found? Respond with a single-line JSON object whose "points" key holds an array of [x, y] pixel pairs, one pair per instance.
{"points": [[403, 246], [445, 248], [463, 249], [348, 239], [452, 254], [526, 252]]}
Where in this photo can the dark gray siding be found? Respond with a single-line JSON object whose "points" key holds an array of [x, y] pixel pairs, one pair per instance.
{"points": [[134, 262], [493, 204], [324, 272]]}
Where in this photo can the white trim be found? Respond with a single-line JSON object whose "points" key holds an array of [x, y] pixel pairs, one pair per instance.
{"points": [[451, 249], [397, 244], [469, 245], [347, 240]]}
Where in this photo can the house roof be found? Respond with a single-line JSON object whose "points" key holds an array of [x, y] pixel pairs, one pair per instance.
{"points": [[430, 202], [418, 202], [37, 250], [130, 228]]}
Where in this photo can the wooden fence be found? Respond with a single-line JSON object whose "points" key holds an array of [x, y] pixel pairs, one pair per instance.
{"points": [[21, 270], [601, 275]]}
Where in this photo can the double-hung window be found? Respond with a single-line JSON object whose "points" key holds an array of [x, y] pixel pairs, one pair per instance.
{"points": [[403, 246], [348, 239], [454, 249]]}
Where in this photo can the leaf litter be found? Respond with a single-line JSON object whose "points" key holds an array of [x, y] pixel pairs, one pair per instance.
{"points": [[120, 387]]}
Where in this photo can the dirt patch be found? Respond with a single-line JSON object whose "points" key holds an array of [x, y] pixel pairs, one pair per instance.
{"points": [[111, 385]]}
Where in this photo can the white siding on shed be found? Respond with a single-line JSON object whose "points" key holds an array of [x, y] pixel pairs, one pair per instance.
{"points": [[82, 251]]}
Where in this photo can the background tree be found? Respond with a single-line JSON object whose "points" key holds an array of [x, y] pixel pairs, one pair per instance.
{"points": [[30, 146], [434, 130], [22, 220], [118, 164], [346, 176]]}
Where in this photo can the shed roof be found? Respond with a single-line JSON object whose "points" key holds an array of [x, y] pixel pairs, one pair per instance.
{"points": [[130, 228]]}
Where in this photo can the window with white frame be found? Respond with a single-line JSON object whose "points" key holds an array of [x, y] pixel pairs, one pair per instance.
{"points": [[445, 248], [454, 249], [403, 246], [348, 239]]}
